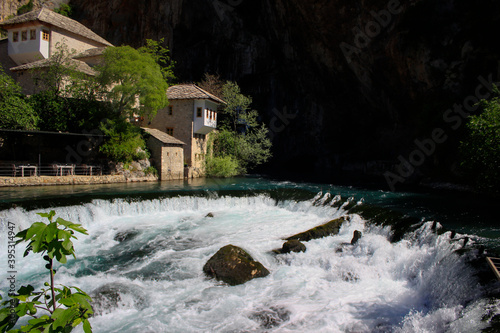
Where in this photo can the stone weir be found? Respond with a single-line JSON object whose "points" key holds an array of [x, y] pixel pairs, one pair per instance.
{"points": [[71, 180]]}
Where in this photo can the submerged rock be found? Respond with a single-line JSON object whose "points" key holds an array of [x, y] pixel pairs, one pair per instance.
{"points": [[293, 245], [210, 215], [125, 235], [114, 295], [356, 236], [272, 317], [234, 266], [327, 229]]}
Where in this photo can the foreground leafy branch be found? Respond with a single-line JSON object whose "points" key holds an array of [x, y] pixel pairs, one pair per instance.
{"points": [[53, 309]]}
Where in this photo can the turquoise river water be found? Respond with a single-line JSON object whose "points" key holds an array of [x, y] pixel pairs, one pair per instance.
{"points": [[142, 261]]}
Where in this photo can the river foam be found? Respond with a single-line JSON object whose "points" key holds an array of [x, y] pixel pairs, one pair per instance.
{"points": [[419, 284]]}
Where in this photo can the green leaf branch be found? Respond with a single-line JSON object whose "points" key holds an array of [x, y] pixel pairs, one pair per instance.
{"points": [[62, 308]]}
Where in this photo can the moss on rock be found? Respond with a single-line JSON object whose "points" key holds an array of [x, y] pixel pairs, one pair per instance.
{"points": [[233, 265], [324, 230]]}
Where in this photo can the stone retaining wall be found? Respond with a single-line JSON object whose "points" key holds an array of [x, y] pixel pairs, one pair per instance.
{"points": [[70, 180]]}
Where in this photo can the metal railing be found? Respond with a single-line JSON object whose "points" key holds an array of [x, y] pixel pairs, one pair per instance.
{"points": [[56, 169]]}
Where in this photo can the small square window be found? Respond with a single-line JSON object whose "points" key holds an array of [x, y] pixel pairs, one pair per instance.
{"points": [[32, 34], [45, 35], [199, 112], [170, 110], [24, 35], [169, 131], [15, 36]]}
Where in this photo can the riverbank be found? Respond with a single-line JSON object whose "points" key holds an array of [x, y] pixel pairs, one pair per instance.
{"points": [[71, 180]]}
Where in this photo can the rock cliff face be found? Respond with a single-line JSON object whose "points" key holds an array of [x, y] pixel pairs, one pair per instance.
{"points": [[340, 83], [9, 7]]}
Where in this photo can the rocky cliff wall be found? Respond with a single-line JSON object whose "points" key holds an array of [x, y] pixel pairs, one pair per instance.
{"points": [[340, 83], [9, 8]]}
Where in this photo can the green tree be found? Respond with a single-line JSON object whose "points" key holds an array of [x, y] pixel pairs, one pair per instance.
{"points": [[59, 72], [162, 57], [237, 111], [481, 149], [15, 111], [64, 9], [62, 308], [222, 166], [134, 80], [25, 8], [242, 142], [124, 143]]}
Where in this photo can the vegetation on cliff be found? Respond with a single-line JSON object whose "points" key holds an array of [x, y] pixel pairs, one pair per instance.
{"points": [[481, 148], [241, 142]]}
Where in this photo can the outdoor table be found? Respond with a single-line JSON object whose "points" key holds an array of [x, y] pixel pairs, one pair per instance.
{"points": [[32, 167], [62, 167]]}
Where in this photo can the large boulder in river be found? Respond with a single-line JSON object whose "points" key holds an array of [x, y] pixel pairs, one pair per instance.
{"points": [[234, 266], [327, 229]]}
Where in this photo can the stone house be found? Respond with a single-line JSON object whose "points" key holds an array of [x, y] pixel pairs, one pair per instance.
{"points": [[33, 38], [167, 154], [178, 134], [190, 117]]}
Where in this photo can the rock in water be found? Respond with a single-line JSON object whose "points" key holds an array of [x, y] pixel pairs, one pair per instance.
{"points": [[327, 229], [272, 317], [356, 236], [210, 215], [293, 245], [123, 236], [234, 266]]}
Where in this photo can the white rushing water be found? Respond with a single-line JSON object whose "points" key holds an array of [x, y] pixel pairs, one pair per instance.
{"points": [[416, 285]]}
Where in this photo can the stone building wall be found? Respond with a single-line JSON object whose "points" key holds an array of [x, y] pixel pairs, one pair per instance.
{"points": [[181, 121], [70, 180], [72, 41], [168, 159]]}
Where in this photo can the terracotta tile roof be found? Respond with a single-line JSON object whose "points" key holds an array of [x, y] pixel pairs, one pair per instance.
{"points": [[190, 91], [47, 16], [162, 136], [78, 65]]}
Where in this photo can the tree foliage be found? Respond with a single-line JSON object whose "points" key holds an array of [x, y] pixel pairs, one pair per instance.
{"points": [[481, 148], [59, 73], [134, 80], [124, 143], [67, 114], [242, 142], [64, 9], [15, 110], [222, 166], [162, 57], [53, 309]]}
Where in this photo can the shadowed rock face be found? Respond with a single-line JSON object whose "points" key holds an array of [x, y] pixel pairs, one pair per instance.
{"points": [[399, 68], [234, 266]]}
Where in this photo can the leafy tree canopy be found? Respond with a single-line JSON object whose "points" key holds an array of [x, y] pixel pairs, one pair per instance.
{"points": [[15, 111], [125, 142], [242, 142], [134, 79]]}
